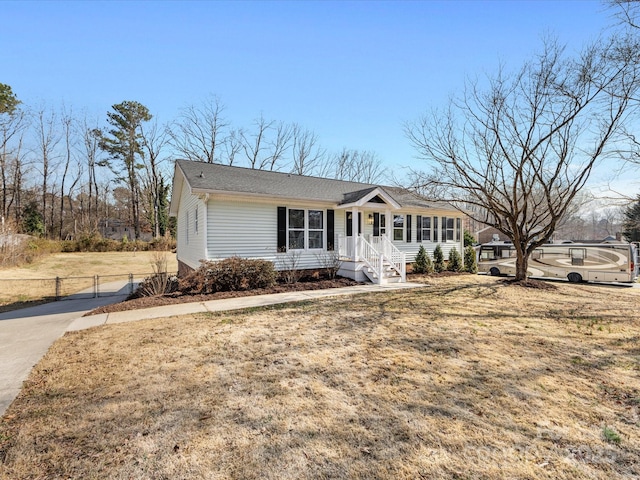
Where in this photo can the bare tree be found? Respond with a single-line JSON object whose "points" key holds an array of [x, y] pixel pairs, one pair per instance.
{"points": [[90, 150], [278, 146], [306, 154], [254, 144], [233, 145], [153, 142], [523, 147], [48, 137], [199, 132], [68, 140], [354, 166]]}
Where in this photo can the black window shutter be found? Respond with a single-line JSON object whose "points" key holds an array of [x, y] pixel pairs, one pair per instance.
{"points": [[376, 224], [419, 228], [282, 229], [359, 223], [330, 231], [349, 216], [408, 228]]}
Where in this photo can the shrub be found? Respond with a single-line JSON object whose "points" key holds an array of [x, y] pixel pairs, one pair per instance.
{"points": [[330, 262], [423, 263], [470, 264], [160, 283], [469, 239], [438, 259], [231, 274], [455, 261], [289, 263]]}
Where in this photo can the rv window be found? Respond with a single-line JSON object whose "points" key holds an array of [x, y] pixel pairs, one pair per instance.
{"points": [[577, 256], [487, 254], [506, 253]]}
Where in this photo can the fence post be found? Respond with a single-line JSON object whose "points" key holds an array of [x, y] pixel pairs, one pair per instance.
{"points": [[131, 284], [57, 288]]}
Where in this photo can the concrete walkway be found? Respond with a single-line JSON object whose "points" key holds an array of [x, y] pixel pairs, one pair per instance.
{"points": [[27, 334]]}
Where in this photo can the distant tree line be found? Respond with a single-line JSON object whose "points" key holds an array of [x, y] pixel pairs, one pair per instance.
{"points": [[64, 175]]}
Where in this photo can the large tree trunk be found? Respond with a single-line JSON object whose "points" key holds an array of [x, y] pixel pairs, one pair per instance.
{"points": [[522, 264]]}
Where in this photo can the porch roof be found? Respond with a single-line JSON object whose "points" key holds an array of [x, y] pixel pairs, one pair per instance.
{"points": [[214, 178]]}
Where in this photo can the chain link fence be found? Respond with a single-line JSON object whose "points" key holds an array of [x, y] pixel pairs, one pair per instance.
{"points": [[58, 288]]}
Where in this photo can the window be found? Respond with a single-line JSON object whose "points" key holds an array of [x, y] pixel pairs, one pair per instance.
{"points": [[306, 229], [458, 229], [316, 232], [426, 229], [398, 227], [383, 224], [296, 229], [448, 229]]}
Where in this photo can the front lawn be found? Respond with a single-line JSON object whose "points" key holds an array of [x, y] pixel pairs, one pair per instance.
{"points": [[464, 379]]}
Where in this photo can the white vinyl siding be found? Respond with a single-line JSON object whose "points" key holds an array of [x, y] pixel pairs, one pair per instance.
{"points": [[191, 247], [249, 230]]}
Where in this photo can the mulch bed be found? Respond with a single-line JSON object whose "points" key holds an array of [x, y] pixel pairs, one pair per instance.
{"points": [[178, 297]]}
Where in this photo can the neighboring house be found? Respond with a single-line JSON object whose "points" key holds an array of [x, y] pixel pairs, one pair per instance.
{"points": [[490, 234], [116, 229], [373, 231]]}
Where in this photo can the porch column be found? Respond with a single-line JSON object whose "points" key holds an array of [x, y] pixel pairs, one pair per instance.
{"points": [[389, 229], [355, 228]]}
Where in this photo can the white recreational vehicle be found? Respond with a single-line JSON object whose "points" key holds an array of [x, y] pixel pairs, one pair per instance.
{"points": [[577, 262]]}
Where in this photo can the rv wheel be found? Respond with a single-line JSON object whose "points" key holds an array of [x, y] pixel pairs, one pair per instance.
{"points": [[494, 271], [574, 277]]}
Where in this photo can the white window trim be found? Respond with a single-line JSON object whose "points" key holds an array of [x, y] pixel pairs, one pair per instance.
{"points": [[394, 228], [430, 229], [306, 230]]}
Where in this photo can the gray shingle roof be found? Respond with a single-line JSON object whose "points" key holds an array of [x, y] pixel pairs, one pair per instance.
{"points": [[211, 177]]}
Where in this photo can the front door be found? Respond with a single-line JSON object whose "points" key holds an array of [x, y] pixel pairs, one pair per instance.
{"points": [[349, 218], [379, 224]]}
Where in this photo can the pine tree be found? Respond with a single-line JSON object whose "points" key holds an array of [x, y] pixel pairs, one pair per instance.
{"points": [[470, 264], [632, 221], [422, 263], [438, 259], [455, 261], [123, 145]]}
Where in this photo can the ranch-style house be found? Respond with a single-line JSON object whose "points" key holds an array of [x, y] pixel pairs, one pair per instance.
{"points": [[370, 231]]}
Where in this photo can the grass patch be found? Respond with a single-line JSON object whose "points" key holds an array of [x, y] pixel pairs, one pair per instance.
{"points": [[610, 435], [397, 385], [77, 271]]}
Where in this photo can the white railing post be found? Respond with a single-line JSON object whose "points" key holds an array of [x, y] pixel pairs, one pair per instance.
{"points": [[380, 272]]}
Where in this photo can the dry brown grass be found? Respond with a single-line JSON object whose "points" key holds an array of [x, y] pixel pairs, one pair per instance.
{"points": [[37, 280], [467, 378]]}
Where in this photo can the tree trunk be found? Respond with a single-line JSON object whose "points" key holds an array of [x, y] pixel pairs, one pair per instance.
{"points": [[522, 264]]}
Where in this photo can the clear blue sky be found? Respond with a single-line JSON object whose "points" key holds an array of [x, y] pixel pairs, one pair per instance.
{"points": [[351, 71]]}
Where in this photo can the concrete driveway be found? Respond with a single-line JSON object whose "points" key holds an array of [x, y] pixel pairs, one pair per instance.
{"points": [[27, 334]]}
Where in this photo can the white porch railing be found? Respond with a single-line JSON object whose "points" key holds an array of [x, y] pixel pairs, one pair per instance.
{"points": [[371, 258], [374, 254], [395, 257]]}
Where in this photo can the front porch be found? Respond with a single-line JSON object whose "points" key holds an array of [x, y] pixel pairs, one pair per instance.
{"points": [[375, 260]]}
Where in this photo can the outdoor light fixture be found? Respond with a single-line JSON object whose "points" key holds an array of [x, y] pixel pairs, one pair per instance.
{"points": [[370, 219]]}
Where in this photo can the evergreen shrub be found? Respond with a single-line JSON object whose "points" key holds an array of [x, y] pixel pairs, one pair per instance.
{"points": [[455, 261], [438, 259]]}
